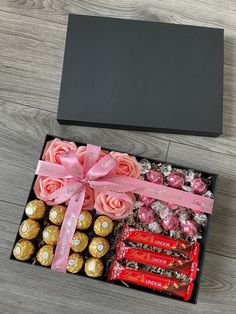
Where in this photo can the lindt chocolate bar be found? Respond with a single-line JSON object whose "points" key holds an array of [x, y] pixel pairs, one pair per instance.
{"points": [[156, 259], [190, 249], [153, 281]]}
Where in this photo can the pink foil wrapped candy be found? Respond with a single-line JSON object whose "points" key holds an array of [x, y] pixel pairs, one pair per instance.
{"points": [[155, 177], [175, 180], [198, 186], [170, 222], [146, 215], [172, 206], [146, 200], [189, 227]]}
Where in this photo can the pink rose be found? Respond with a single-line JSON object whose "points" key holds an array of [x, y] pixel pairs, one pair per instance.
{"points": [[44, 186], [113, 207], [127, 165], [80, 153], [55, 148], [89, 198]]}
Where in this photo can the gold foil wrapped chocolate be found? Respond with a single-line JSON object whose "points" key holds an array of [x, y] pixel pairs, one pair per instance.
{"points": [[45, 255], [98, 247], [93, 267], [29, 229], [75, 263], [79, 242], [56, 214], [23, 250], [103, 226], [85, 220], [51, 234], [35, 209]]}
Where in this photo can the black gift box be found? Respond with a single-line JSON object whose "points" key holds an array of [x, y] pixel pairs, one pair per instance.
{"points": [[202, 241], [142, 75]]}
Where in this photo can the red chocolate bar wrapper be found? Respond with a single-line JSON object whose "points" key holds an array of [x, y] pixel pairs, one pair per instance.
{"points": [[153, 281], [156, 259], [190, 249]]}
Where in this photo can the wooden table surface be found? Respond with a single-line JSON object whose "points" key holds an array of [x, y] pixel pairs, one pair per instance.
{"points": [[32, 40]]}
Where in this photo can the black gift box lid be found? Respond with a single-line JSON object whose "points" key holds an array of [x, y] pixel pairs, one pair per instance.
{"points": [[142, 75]]}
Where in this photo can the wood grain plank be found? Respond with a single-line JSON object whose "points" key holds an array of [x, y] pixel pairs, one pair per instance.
{"points": [[66, 293], [23, 130], [223, 225]]}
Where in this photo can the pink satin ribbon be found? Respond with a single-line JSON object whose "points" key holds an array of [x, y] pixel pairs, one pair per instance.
{"points": [[99, 175]]}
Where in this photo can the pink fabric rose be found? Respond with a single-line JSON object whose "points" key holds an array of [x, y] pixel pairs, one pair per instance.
{"points": [[44, 186], [113, 207], [55, 148], [126, 165], [80, 153]]}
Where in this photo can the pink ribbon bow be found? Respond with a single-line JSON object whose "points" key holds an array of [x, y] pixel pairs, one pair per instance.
{"points": [[99, 175]]}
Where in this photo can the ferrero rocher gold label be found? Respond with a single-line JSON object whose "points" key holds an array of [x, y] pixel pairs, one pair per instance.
{"points": [[45, 255], [103, 226], [75, 263], [57, 214], [79, 241], [23, 250], [93, 267], [98, 247], [51, 234], [35, 209], [29, 229], [85, 220]]}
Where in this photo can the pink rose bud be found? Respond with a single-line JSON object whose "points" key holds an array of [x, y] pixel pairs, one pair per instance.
{"points": [[198, 186], [146, 200], [189, 227], [172, 206], [146, 215], [175, 180], [155, 177], [171, 222]]}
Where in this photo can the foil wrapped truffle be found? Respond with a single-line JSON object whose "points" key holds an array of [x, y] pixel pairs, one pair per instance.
{"points": [[56, 214], [85, 220], [98, 247], [29, 229], [75, 263], [170, 222], [79, 242], [155, 177], [51, 234], [45, 255], [146, 215], [93, 267], [23, 250], [103, 226], [35, 209], [175, 180]]}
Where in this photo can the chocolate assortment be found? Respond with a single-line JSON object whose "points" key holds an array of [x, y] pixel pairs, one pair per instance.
{"points": [[135, 240], [88, 246]]}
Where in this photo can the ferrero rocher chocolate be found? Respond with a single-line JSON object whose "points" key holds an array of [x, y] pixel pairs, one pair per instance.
{"points": [[93, 267], [23, 250], [29, 229], [56, 214], [103, 226], [51, 234], [85, 220], [79, 241], [98, 247], [75, 263], [45, 255], [35, 209]]}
